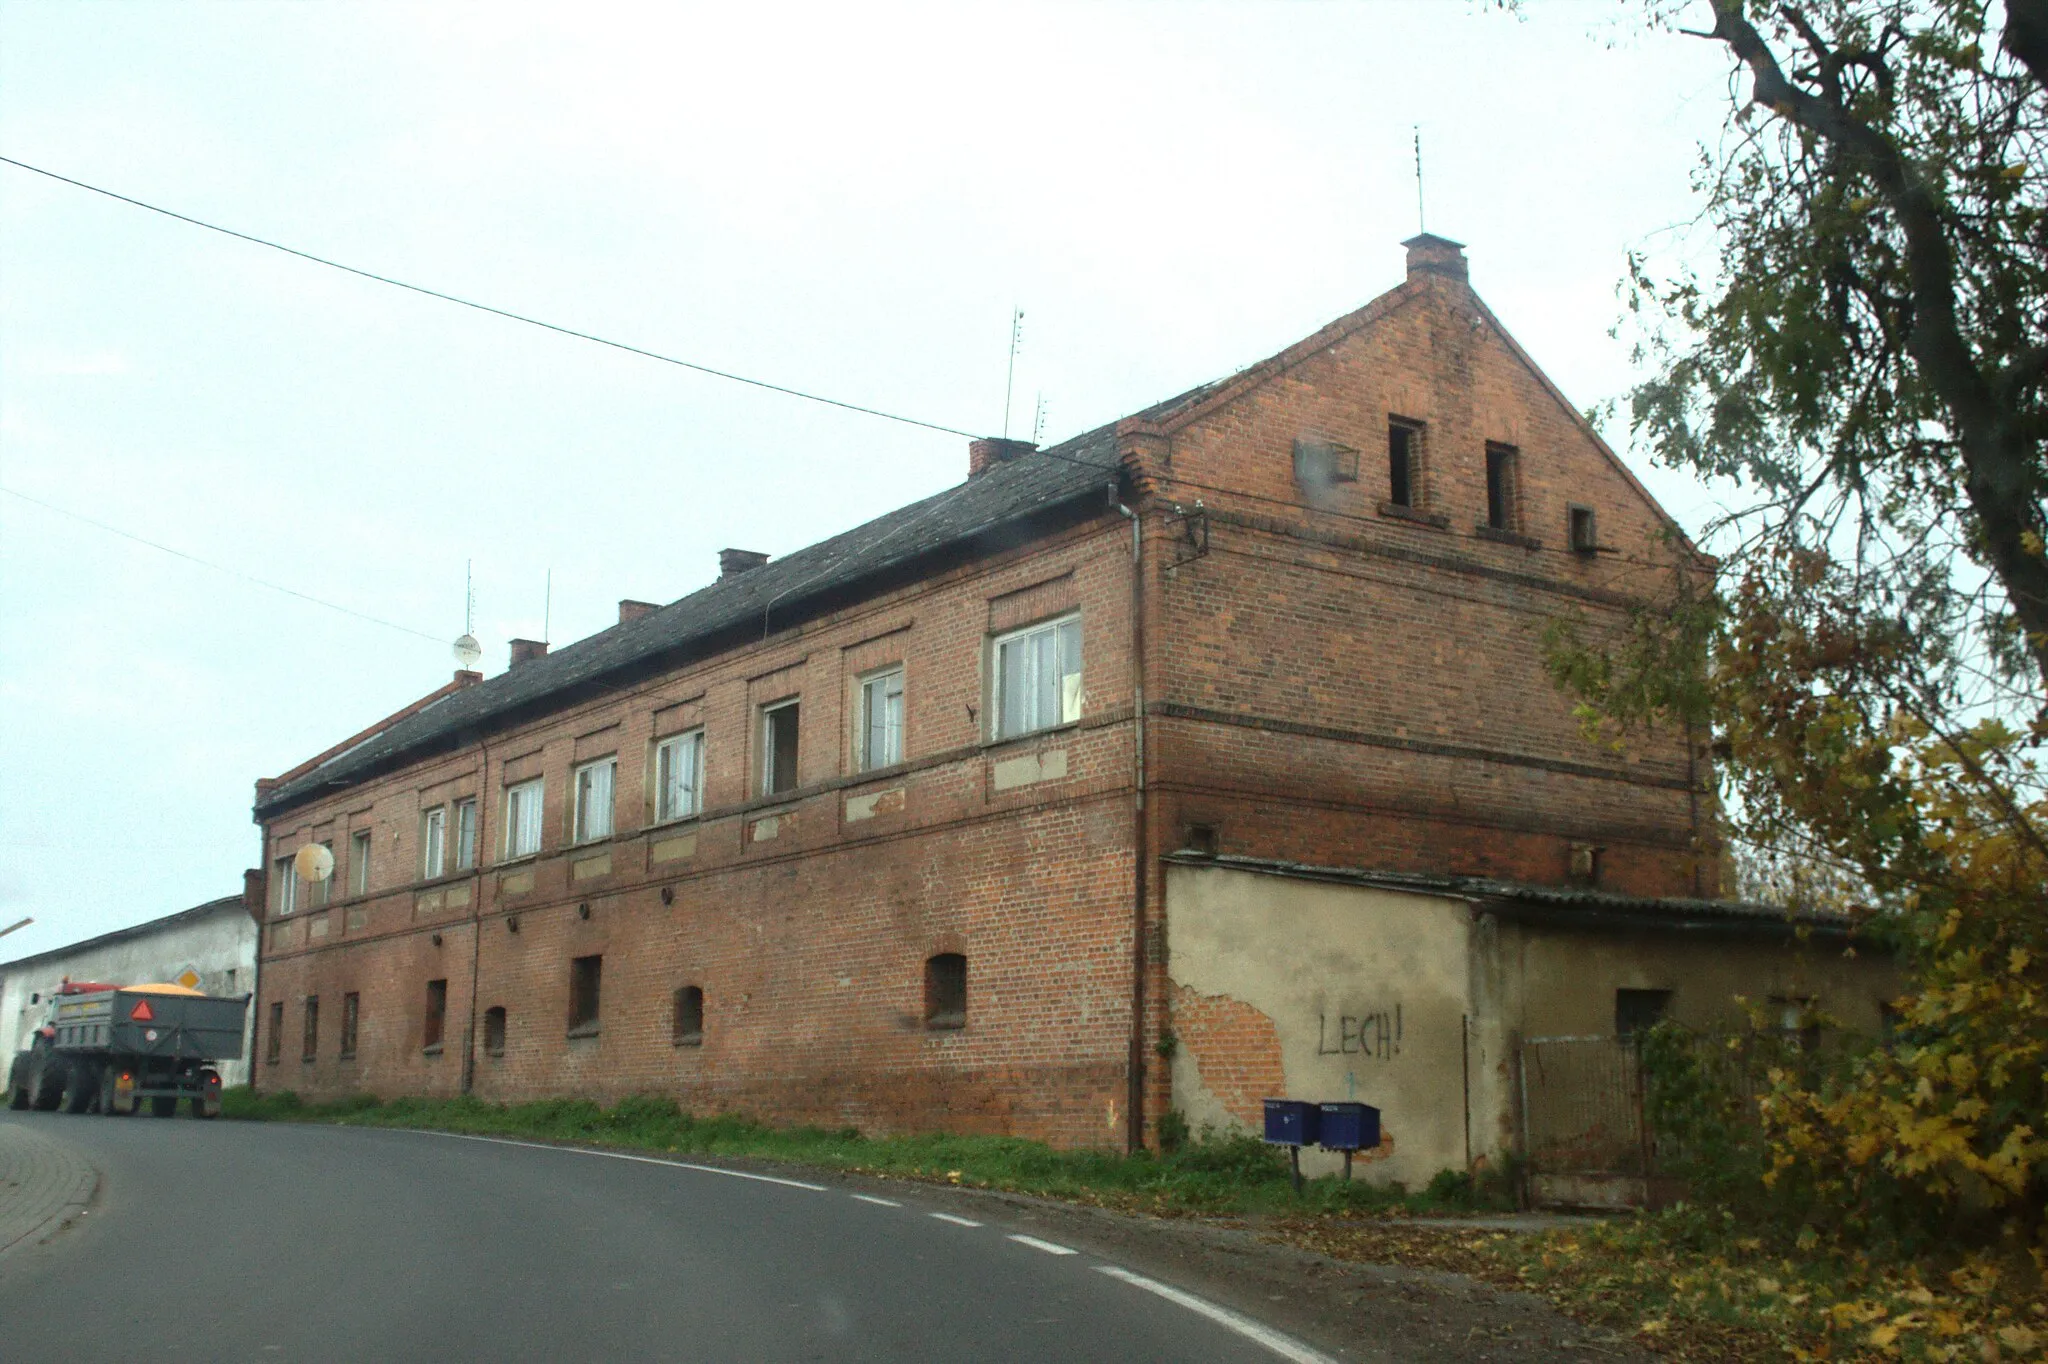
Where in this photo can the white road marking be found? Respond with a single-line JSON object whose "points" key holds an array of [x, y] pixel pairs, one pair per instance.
{"points": [[878, 1202], [1285, 1346], [956, 1221], [621, 1155], [1047, 1246]]}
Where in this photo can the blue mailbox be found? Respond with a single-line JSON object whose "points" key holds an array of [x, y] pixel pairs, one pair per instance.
{"points": [[1347, 1127], [1291, 1122]]}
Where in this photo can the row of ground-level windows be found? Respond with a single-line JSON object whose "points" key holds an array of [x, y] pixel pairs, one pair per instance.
{"points": [[945, 1008]]}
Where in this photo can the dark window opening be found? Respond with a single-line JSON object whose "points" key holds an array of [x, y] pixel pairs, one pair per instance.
{"points": [[437, 1015], [351, 1015], [494, 1030], [1401, 444], [1500, 487], [778, 749], [689, 1020], [1585, 538], [945, 991], [586, 978], [312, 1039], [1638, 1011], [1202, 839], [1795, 1020], [1585, 864], [273, 1046]]}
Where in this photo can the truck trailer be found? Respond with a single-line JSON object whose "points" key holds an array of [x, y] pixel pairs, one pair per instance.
{"points": [[105, 1048]]}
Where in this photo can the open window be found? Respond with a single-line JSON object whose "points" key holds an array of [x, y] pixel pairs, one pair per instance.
{"points": [[494, 1030], [1501, 511], [593, 818], [880, 741], [945, 991], [1037, 677], [687, 1029], [1404, 463], [586, 981], [1638, 1011], [778, 747]]}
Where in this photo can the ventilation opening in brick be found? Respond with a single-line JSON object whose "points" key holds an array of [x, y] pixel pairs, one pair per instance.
{"points": [[778, 748], [1638, 1011], [1584, 538], [1585, 864], [351, 1015], [312, 1047], [689, 1021], [945, 991], [1201, 839], [436, 1021], [1500, 487], [586, 980], [1403, 445], [273, 1046], [494, 1030]]}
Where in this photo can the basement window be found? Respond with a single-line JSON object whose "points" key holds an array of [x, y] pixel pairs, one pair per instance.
{"points": [[1638, 1011], [1500, 487], [494, 1030], [273, 1046], [688, 1029], [586, 980], [436, 1022], [945, 991], [778, 748], [351, 1015], [311, 1048]]}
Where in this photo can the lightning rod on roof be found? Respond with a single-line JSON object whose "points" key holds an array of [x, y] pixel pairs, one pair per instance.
{"points": [[1420, 225], [1010, 381], [547, 608]]}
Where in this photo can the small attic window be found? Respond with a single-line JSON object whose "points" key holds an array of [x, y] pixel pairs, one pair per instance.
{"points": [[1319, 462], [1404, 447], [1584, 534]]}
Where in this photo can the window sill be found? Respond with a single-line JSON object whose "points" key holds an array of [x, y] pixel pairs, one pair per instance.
{"points": [[346, 1056], [434, 1050], [673, 822], [689, 1041], [437, 882], [586, 844], [945, 1025], [1507, 537], [520, 860], [584, 1030], [1063, 727], [1415, 516]]}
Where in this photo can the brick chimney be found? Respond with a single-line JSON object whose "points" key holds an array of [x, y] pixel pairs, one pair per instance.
{"points": [[630, 610], [733, 562], [527, 650], [986, 453], [465, 677], [1430, 254]]}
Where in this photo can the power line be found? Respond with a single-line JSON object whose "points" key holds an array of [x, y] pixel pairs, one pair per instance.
{"points": [[218, 568], [498, 312]]}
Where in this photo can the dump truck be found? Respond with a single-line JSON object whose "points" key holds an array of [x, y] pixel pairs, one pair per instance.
{"points": [[105, 1048]]}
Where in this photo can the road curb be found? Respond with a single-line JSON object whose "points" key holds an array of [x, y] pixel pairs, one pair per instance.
{"points": [[45, 1185]]}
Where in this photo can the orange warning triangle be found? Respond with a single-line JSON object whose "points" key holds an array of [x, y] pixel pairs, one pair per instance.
{"points": [[142, 1013]]}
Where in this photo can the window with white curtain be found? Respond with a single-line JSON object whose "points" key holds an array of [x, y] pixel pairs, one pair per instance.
{"points": [[465, 834], [1037, 677], [881, 719], [678, 776], [434, 842], [522, 818], [593, 818]]}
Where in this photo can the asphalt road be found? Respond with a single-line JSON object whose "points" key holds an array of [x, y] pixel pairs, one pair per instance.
{"points": [[247, 1241]]}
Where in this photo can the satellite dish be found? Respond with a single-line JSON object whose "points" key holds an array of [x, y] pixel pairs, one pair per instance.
{"points": [[313, 862], [468, 653]]}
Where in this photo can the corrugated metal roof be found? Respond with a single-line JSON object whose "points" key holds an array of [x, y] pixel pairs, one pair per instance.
{"points": [[183, 916]]}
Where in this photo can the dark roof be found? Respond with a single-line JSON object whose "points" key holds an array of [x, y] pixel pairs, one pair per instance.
{"points": [[1563, 905], [183, 916], [1007, 493]]}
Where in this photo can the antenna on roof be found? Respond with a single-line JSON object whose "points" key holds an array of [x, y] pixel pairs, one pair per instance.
{"points": [[547, 608], [1038, 422], [1010, 381], [468, 653], [1420, 226]]}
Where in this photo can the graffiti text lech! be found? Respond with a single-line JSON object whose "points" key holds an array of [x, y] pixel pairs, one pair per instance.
{"points": [[1376, 1034]]}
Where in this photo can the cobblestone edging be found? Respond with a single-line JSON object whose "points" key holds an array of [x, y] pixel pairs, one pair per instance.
{"points": [[43, 1184]]}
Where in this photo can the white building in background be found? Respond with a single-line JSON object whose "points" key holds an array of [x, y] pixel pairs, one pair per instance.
{"points": [[210, 947]]}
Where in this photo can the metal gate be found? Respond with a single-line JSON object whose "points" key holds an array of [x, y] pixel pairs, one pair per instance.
{"points": [[1584, 1142]]}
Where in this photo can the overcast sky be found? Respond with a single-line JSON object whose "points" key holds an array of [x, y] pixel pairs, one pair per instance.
{"points": [[844, 199]]}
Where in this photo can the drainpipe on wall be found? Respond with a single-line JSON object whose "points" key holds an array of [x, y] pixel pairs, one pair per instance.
{"points": [[476, 913], [1134, 1118]]}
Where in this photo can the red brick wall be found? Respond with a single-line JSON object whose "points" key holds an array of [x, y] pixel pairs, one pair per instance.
{"points": [[1325, 683]]}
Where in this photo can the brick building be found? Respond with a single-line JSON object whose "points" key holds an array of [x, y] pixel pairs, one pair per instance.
{"points": [[880, 832]]}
